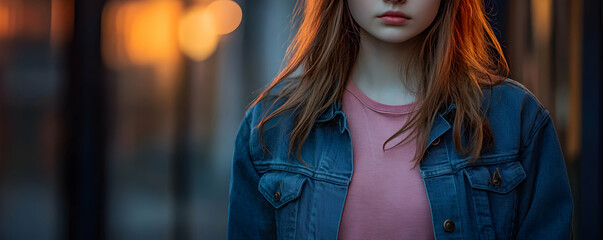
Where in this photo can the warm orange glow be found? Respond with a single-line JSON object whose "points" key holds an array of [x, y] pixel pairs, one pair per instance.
{"points": [[12, 22], [542, 11], [197, 34], [144, 32], [112, 46], [227, 15], [61, 22], [150, 31], [3, 21]]}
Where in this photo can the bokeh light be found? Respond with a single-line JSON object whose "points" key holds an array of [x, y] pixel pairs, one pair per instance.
{"points": [[150, 31], [227, 15], [140, 33], [197, 33]]}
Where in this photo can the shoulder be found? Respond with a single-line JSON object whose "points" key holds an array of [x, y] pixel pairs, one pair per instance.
{"points": [[512, 97], [513, 94], [267, 133], [270, 102], [513, 111], [263, 108]]}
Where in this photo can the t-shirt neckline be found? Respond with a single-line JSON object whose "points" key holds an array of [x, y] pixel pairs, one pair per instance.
{"points": [[377, 106]]}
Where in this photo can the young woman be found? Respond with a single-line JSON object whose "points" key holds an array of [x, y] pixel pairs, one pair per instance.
{"points": [[400, 125]]}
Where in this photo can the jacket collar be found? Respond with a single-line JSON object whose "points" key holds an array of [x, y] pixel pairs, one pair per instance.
{"points": [[442, 122], [331, 112]]}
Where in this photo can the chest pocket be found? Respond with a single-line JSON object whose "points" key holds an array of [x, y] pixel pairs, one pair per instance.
{"points": [[280, 188], [493, 191], [283, 190], [498, 178]]}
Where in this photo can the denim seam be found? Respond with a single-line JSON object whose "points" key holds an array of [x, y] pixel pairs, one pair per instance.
{"points": [[308, 173], [504, 158], [543, 117]]}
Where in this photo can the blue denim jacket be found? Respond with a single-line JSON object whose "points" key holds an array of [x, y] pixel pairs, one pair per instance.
{"points": [[518, 189]]}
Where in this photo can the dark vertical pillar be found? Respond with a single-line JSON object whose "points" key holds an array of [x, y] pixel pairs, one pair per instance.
{"points": [[181, 162], [591, 181], [4, 115], [181, 159], [84, 110]]}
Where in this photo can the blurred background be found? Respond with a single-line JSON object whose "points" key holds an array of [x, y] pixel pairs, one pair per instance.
{"points": [[118, 117]]}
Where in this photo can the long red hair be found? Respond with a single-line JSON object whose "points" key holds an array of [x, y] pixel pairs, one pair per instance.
{"points": [[458, 55]]}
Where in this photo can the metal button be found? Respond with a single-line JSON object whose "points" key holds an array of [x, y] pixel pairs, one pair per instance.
{"points": [[448, 225], [277, 196], [496, 179], [436, 141]]}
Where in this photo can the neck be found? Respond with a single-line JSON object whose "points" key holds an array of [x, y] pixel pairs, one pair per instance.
{"points": [[380, 70]]}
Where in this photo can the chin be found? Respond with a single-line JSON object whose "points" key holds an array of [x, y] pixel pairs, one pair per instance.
{"points": [[394, 38]]}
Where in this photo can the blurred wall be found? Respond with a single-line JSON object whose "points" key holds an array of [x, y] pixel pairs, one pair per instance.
{"points": [[117, 124]]}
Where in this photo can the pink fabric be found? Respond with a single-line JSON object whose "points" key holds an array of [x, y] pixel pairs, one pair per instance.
{"points": [[386, 197]]}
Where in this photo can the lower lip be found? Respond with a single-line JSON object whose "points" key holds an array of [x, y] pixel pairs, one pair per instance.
{"points": [[393, 20]]}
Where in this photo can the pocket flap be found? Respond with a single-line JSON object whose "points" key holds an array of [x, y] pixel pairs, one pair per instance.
{"points": [[507, 176], [280, 188]]}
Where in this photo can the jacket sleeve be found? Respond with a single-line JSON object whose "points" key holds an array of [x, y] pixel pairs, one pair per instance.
{"points": [[250, 216], [545, 201]]}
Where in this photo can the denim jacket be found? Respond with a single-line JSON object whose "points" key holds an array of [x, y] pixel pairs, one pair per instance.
{"points": [[518, 189]]}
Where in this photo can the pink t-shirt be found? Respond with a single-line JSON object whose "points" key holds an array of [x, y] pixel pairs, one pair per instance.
{"points": [[386, 198]]}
